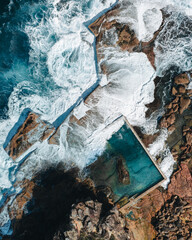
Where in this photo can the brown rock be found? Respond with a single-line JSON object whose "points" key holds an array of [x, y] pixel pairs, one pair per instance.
{"points": [[182, 89], [147, 139], [164, 123], [189, 138], [16, 209], [54, 139], [189, 92], [91, 227], [176, 100], [123, 174], [185, 128], [150, 206], [184, 104], [174, 91], [181, 183], [127, 39], [175, 107], [31, 131], [171, 128], [170, 112], [171, 119], [169, 106], [182, 79]]}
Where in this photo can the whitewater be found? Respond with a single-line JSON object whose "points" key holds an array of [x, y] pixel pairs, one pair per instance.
{"points": [[50, 61]]}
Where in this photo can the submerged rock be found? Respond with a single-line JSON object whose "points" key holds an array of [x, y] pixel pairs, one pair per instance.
{"points": [[32, 130], [123, 173]]}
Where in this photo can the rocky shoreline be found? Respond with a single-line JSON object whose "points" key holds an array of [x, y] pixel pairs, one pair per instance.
{"points": [[59, 204]]}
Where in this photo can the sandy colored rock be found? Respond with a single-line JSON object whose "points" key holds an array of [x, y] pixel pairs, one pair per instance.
{"points": [[174, 91], [171, 119], [184, 104], [182, 79], [169, 106], [181, 183]]}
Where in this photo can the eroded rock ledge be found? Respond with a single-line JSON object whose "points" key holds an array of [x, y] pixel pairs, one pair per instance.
{"points": [[32, 130]]}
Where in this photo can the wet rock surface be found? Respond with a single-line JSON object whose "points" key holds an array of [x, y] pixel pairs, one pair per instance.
{"points": [[179, 104], [105, 28], [32, 130], [123, 173]]}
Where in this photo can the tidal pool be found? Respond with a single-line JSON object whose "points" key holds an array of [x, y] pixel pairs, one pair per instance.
{"points": [[124, 153]]}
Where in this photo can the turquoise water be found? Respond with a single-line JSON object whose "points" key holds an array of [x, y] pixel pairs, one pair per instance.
{"points": [[142, 171]]}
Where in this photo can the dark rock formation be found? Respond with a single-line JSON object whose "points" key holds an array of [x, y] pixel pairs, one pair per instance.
{"points": [[88, 222], [179, 104], [174, 220], [123, 174], [45, 204], [58, 205]]}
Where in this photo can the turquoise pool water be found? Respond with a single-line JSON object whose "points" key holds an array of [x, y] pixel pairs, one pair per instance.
{"points": [[142, 171]]}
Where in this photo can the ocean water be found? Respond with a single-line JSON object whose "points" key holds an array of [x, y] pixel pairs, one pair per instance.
{"points": [[142, 171], [47, 63]]}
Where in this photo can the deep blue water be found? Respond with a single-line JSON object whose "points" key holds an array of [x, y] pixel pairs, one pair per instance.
{"points": [[14, 51]]}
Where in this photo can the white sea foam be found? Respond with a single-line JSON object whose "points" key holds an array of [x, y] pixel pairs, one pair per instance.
{"points": [[131, 87], [159, 145], [173, 45], [167, 167], [61, 45], [159, 149]]}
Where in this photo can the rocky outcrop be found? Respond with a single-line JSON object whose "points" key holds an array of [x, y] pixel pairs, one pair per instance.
{"points": [[105, 27], [179, 104], [44, 203], [174, 220], [182, 79], [32, 130], [142, 216], [123, 174], [147, 139], [87, 222], [58, 205]]}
